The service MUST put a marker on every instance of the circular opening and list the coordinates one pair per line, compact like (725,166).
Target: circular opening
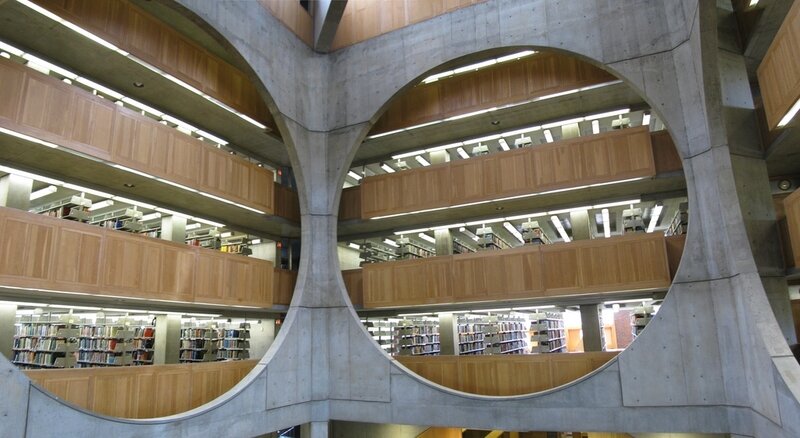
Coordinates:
(519,209)
(162,263)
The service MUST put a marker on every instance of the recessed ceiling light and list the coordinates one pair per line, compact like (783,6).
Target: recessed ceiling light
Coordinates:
(495,122)
(138,84)
(129,185)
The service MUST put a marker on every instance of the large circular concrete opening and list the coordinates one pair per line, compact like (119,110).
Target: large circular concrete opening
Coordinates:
(512,221)
(149,214)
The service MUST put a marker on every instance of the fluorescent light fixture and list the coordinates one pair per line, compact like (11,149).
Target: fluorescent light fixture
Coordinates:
(504,145)
(525,216)
(444,147)
(226,234)
(387,168)
(513,230)
(475,66)
(617,204)
(416,314)
(606,224)
(142,107)
(137,172)
(98,87)
(180,123)
(49,66)
(560,228)
(426,238)
(562,123)
(619,181)
(391,242)
(89,191)
(11,49)
(43,192)
(447,227)
(753,3)
(174,184)
(486,221)
(646,119)
(5,55)
(32,176)
(595,126)
(466,115)
(151,216)
(407,154)
(515,56)
(172,213)
(255,242)
(608,114)
(383,134)
(790,115)
(492,310)
(191,227)
(654,217)
(548,136)
(354,175)
(535,307)
(421,160)
(462,153)
(568,210)
(521,131)
(101,205)
(482,139)
(132,202)
(208,222)
(28,138)
(418,230)
(437,76)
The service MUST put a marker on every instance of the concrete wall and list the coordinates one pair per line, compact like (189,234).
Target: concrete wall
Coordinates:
(714,359)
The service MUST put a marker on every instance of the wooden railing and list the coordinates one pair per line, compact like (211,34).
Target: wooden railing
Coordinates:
(287,203)
(607,157)
(44,107)
(792,208)
(624,263)
(283,291)
(150,39)
(506,374)
(506,83)
(779,72)
(144,391)
(43,252)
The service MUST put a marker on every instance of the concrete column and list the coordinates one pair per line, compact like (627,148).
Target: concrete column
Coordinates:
(15,191)
(314,429)
(444,242)
(173,228)
(448,334)
(166,348)
(590,324)
(580,225)
(8,313)
(440,157)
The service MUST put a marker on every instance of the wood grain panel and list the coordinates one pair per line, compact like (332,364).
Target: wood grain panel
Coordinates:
(779,72)
(354,283)
(606,157)
(364,19)
(792,207)
(78,120)
(350,204)
(623,263)
(287,203)
(142,392)
(506,375)
(502,84)
(148,38)
(55,254)
(284,282)
(665,154)
(11,92)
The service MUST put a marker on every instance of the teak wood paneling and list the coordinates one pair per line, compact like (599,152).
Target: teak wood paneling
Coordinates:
(294,17)
(350,204)
(502,84)
(779,72)
(283,289)
(354,283)
(611,156)
(47,253)
(665,154)
(143,392)
(632,262)
(365,19)
(287,203)
(46,108)
(506,374)
(792,207)
(148,38)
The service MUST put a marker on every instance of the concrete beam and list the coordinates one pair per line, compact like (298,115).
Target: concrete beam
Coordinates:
(327,16)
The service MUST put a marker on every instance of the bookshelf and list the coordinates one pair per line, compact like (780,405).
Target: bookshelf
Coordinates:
(45,344)
(505,335)
(460,248)
(381,331)
(679,222)
(233,343)
(471,339)
(547,332)
(197,345)
(632,220)
(105,345)
(416,338)
(640,317)
(124,219)
(488,240)
(72,208)
(532,234)
(144,339)
(372,253)
(410,250)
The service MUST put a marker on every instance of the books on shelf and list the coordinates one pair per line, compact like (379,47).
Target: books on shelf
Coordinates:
(45,344)
(488,240)
(505,335)
(640,317)
(416,338)
(233,344)
(471,339)
(680,221)
(105,345)
(532,234)
(547,333)
(381,330)
(205,344)
(411,250)
(143,346)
